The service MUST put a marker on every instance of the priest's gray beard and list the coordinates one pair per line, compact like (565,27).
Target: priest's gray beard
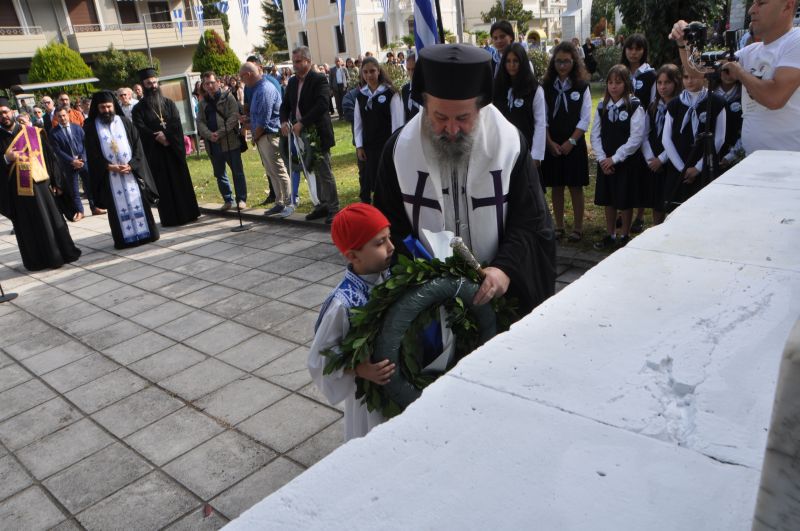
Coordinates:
(452,159)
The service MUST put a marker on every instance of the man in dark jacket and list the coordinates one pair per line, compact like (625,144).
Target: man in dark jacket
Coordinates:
(218,124)
(305,105)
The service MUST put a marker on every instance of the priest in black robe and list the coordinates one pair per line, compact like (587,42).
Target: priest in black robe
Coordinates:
(120,177)
(29,176)
(460,168)
(160,129)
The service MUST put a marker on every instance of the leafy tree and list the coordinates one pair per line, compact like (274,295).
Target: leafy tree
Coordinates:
(654,18)
(540,61)
(210,11)
(213,53)
(514,10)
(118,68)
(59,62)
(408,40)
(274,31)
(602,12)
(606,57)
(482,37)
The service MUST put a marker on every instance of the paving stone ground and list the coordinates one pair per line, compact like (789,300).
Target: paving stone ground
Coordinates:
(165,386)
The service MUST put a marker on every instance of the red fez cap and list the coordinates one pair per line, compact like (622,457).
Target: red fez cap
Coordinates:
(355,225)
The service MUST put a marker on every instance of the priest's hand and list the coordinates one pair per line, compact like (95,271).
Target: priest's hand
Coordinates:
(495,284)
(12,156)
(378,373)
(361,154)
(161,138)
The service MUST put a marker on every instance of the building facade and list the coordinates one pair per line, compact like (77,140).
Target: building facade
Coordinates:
(546,15)
(90,26)
(365,27)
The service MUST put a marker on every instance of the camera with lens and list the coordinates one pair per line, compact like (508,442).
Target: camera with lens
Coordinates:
(712,61)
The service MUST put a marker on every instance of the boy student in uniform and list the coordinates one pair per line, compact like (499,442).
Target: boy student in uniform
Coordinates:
(361,233)
(668,86)
(731,91)
(378,113)
(569,110)
(617,134)
(643,78)
(521,100)
(686,117)
(502,34)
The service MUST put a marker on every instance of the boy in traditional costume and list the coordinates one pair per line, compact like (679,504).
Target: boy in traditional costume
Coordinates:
(27,174)
(120,176)
(361,233)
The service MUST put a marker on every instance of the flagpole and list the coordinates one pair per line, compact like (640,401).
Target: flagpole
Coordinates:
(147,38)
(439,24)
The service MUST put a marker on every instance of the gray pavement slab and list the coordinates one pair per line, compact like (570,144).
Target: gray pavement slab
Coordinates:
(269,315)
(299,329)
(149,503)
(189,325)
(161,314)
(159,281)
(138,347)
(289,370)
(219,463)
(316,271)
(113,335)
(173,435)
(256,352)
(13,477)
(257,258)
(63,448)
(237,304)
(80,372)
(182,287)
(223,336)
(201,379)
(56,357)
(12,376)
(207,296)
(320,445)
(106,390)
(89,481)
(16,513)
(169,361)
(240,399)
(305,417)
(20,346)
(23,397)
(308,297)
(286,265)
(137,305)
(91,323)
(218,273)
(254,488)
(37,422)
(198,521)
(137,411)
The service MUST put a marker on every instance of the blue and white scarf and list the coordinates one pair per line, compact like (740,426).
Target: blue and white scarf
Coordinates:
(561,88)
(365,90)
(692,100)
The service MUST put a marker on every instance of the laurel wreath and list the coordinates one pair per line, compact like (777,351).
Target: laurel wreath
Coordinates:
(366,325)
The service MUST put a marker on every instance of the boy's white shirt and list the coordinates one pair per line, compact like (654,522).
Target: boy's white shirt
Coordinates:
(340,386)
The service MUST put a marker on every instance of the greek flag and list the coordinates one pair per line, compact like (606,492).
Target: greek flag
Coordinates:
(245,4)
(177,16)
(340,5)
(198,11)
(425,33)
(222,7)
(385,6)
(278,4)
(303,5)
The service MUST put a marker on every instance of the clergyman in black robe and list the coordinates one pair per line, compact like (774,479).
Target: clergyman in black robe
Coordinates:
(160,129)
(121,180)
(26,197)
(459,166)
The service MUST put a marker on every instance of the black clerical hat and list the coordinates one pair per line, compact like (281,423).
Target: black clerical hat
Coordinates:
(453,72)
(147,73)
(5,102)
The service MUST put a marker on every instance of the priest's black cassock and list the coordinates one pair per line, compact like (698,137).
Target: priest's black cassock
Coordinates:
(123,209)
(42,234)
(496,204)
(178,203)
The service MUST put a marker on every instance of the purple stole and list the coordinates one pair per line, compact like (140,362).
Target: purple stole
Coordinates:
(30,166)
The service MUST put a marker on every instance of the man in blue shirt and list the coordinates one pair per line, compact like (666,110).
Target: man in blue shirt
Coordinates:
(264,109)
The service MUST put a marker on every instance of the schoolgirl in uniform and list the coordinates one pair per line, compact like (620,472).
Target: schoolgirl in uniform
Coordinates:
(519,97)
(569,110)
(378,113)
(617,134)
(668,86)
(643,78)
(686,117)
(731,91)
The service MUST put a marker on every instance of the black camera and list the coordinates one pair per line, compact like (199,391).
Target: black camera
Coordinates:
(696,34)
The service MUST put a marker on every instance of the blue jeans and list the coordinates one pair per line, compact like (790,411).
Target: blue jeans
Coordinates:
(232,158)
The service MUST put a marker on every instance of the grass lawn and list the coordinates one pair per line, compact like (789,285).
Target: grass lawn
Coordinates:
(343,158)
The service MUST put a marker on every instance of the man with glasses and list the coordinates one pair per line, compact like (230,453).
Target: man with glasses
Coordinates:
(49,113)
(75,116)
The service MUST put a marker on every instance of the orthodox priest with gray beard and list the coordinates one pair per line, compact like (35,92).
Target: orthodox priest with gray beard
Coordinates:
(460,166)
(121,180)
(159,125)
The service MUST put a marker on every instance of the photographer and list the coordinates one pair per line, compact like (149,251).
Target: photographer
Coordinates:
(770,75)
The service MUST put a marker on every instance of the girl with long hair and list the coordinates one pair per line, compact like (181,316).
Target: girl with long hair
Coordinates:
(378,113)
(617,134)
(519,97)
(569,110)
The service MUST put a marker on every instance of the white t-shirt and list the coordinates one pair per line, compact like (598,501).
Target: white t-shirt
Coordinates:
(764,128)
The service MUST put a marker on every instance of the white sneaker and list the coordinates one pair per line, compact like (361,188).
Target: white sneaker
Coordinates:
(242,205)
(227,206)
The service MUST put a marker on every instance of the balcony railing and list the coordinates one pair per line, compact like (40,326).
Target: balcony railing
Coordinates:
(140,26)
(20,30)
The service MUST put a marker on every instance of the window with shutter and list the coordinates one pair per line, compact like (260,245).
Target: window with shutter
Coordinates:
(81,12)
(127,12)
(8,17)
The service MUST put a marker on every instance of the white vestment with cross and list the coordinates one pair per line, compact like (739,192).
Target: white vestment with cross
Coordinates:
(480,197)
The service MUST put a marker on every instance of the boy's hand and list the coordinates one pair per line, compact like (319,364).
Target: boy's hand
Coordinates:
(378,373)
